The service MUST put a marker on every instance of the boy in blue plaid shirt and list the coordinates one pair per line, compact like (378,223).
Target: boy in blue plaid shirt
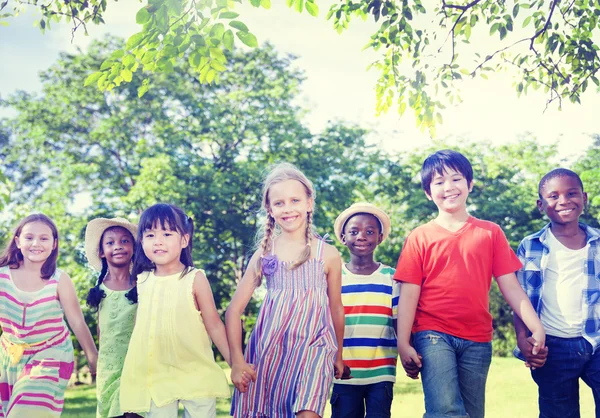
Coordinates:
(561,276)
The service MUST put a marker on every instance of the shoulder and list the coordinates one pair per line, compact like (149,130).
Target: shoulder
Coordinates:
(61,277)
(330,253)
(483,224)
(590,231)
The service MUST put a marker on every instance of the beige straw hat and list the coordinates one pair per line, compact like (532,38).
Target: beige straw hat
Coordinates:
(93,232)
(362,207)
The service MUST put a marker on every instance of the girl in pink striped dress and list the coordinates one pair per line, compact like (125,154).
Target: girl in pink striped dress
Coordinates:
(296,346)
(36,353)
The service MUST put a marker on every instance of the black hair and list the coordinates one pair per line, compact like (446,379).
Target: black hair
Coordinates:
(379,224)
(96,294)
(440,161)
(558,172)
(168,217)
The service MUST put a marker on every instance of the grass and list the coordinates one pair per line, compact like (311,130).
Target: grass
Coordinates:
(510,393)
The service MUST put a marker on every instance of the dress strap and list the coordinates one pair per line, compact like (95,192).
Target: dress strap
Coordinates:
(320,245)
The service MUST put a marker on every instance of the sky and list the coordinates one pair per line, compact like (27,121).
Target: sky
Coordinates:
(337,85)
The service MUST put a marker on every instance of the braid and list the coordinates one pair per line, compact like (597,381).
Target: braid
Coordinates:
(264,245)
(95,295)
(305,255)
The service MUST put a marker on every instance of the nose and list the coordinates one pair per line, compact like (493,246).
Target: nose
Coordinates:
(562,199)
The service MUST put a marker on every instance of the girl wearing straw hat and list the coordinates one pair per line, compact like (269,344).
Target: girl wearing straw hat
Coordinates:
(109,245)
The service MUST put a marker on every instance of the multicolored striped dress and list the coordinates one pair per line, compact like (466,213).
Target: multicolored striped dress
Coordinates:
(292,347)
(36,353)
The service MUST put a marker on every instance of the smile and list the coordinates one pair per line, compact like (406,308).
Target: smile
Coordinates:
(453,196)
(289,218)
(564,211)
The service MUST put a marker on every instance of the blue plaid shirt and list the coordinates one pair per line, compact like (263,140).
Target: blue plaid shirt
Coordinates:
(533,253)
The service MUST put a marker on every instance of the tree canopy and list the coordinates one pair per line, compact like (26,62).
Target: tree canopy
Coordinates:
(426,47)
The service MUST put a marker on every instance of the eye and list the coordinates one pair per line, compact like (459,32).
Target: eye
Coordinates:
(148,235)
(295,200)
(370,232)
(125,241)
(109,242)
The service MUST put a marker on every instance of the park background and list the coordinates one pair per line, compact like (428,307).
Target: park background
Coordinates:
(76,153)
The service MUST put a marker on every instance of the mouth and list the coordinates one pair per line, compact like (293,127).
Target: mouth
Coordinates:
(118,255)
(159,252)
(362,247)
(289,218)
(564,211)
(451,197)
(36,251)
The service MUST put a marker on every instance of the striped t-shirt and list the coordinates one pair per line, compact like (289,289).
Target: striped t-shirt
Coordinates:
(371,305)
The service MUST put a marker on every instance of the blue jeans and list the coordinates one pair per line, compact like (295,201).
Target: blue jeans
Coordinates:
(454,374)
(348,401)
(558,381)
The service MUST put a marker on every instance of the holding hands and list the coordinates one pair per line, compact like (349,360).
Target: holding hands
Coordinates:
(241,375)
(535,352)
(411,360)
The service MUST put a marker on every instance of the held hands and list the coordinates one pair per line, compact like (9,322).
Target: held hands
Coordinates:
(411,360)
(534,352)
(92,361)
(341,371)
(241,376)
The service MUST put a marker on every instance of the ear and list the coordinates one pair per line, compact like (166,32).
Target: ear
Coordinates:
(585,200)
(16,238)
(428,196)
(54,244)
(185,240)
(471,186)
(311,204)
(344,239)
(380,239)
(540,205)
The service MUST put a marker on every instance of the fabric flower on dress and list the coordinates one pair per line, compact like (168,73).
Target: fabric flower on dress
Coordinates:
(269,265)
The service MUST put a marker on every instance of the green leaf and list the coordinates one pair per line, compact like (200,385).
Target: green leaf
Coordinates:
(134,40)
(248,39)
(527,20)
(494,28)
(229,15)
(217,54)
(312,8)
(239,26)
(265,4)
(228,40)
(128,60)
(142,16)
(515,10)
(127,75)
(218,66)
(299,5)
(143,89)
(92,78)
(194,59)
(217,31)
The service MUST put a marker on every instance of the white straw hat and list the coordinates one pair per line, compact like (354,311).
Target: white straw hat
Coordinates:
(93,232)
(362,207)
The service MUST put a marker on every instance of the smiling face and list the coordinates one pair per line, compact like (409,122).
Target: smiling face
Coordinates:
(449,191)
(163,247)
(289,204)
(362,234)
(36,242)
(117,246)
(562,200)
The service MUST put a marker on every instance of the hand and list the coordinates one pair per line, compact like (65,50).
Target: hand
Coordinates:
(339,367)
(539,339)
(241,375)
(92,362)
(535,357)
(411,360)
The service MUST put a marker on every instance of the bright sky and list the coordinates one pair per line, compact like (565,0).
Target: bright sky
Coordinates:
(337,87)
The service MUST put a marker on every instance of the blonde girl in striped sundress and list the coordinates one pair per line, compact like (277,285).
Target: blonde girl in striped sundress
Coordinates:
(170,359)
(296,346)
(36,353)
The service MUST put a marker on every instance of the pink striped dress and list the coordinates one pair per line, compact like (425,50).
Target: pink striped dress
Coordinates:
(292,346)
(33,385)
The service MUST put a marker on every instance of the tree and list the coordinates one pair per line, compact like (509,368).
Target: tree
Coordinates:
(589,171)
(547,44)
(203,148)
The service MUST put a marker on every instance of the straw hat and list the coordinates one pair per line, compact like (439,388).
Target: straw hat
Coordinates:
(94,230)
(362,207)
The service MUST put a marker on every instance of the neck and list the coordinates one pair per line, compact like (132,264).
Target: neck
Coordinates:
(297,235)
(35,268)
(566,230)
(118,274)
(362,262)
(169,269)
(453,217)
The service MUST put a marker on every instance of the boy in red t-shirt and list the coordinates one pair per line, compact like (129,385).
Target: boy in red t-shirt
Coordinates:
(446,267)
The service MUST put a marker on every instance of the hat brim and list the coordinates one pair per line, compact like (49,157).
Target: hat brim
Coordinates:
(357,208)
(93,232)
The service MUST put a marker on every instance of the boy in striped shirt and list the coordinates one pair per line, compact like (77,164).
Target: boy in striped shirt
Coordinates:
(370,298)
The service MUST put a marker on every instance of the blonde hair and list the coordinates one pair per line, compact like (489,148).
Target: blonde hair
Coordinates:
(264,237)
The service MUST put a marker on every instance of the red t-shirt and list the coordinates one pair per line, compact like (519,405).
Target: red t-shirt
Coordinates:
(454,270)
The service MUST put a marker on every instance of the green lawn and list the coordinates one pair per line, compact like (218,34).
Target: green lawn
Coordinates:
(510,393)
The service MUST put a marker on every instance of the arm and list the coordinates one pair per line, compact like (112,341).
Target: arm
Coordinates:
(519,302)
(407,306)
(333,270)
(212,321)
(527,344)
(233,317)
(68,299)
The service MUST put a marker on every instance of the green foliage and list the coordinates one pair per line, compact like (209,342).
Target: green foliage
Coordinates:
(588,169)
(425,47)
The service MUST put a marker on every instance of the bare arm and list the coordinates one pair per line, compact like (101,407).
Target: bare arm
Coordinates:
(68,299)
(212,321)
(527,344)
(407,306)
(333,269)
(519,302)
(233,320)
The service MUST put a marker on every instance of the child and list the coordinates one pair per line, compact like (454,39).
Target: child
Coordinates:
(370,298)
(170,358)
(109,249)
(291,355)
(36,353)
(446,268)
(560,273)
